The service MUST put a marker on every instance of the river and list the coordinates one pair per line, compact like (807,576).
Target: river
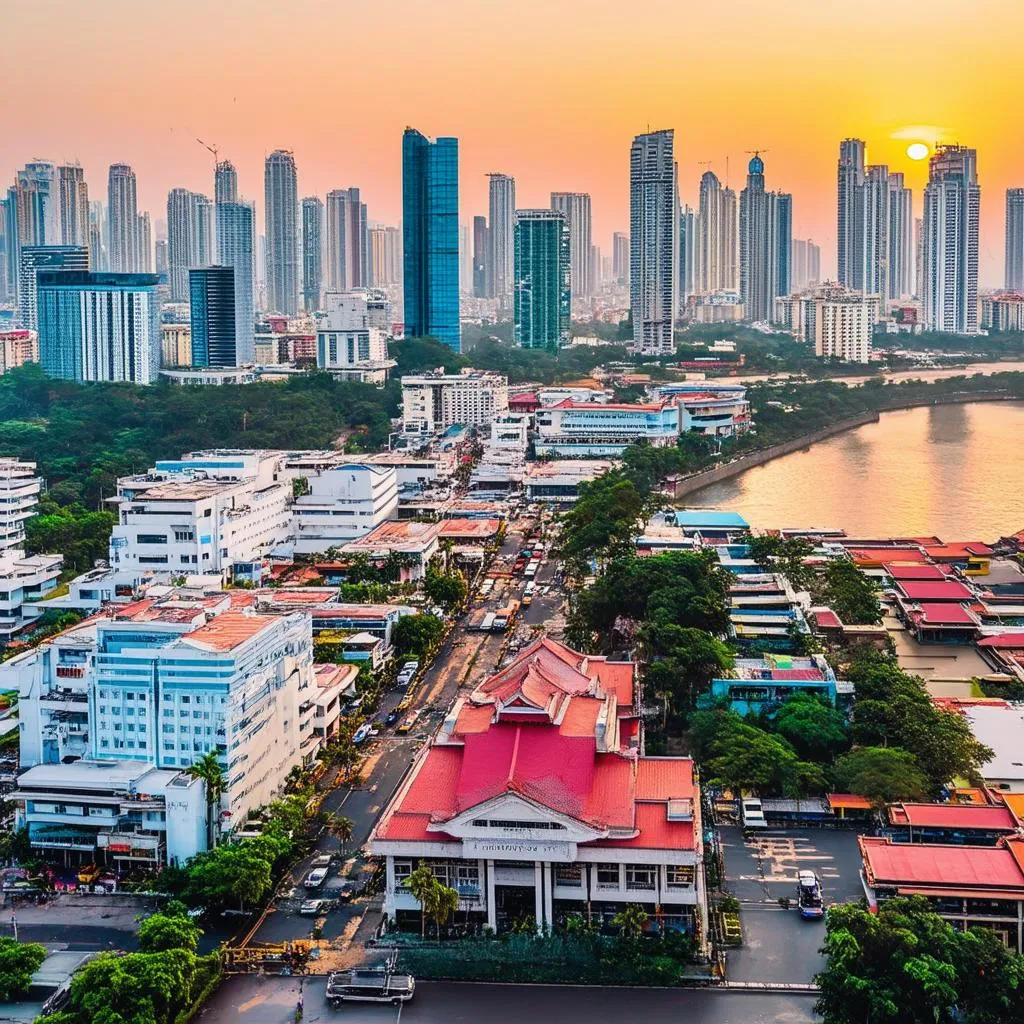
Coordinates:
(955,471)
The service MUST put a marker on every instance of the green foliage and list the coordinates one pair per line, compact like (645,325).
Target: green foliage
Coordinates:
(210,771)
(18,962)
(342,829)
(683,661)
(906,964)
(416,634)
(445,589)
(817,731)
(171,928)
(631,920)
(605,519)
(850,593)
(882,774)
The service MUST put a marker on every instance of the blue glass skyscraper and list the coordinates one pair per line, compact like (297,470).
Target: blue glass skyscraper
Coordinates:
(430,225)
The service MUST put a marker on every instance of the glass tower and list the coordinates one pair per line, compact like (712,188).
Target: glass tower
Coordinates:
(541,293)
(430,223)
(212,308)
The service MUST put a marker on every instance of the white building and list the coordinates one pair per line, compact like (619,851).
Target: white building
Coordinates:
(416,543)
(554,395)
(1003,311)
(843,327)
(209,376)
(536,803)
(220,511)
(595,429)
(511,430)
(436,401)
(19,495)
(351,341)
(24,581)
(344,502)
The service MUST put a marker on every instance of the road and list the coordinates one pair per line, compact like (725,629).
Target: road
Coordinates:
(251,1000)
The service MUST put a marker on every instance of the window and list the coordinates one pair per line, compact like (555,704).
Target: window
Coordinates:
(185,699)
(151,538)
(679,876)
(129,695)
(569,874)
(467,878)
(510,823)
(607,876)
(640,876)
(403,869)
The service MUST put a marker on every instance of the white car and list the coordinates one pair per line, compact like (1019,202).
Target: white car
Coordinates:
(316,878)
(753,813)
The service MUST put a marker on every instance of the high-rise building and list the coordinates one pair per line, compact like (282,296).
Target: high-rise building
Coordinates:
(225,182)
(145,244)
(99,326)
(212,310)
(575,206)
(480,257)
(542,294)
(235,238)
(620,257)
(849,239)
(901,239)
(8,287)
(347,241)
(873,208)
(162,265)
(74,205)
(312,253)
(430,237)
(465,260)
(37,204)
(653,242)
(952,199)
(385,256)
(502,208)
(766,241)
(98,253)
(35,258)
(689,258)
(716,249)
(730,240)
(1014,270)
(806,264)
(281,211)
(189,241)
(122,220)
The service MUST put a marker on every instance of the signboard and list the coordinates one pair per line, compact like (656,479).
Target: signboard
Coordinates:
(518,849)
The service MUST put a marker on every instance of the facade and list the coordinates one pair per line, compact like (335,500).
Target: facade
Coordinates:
(343,503)
(952,199)
(480,243)
(766,237)
(348,253)
(1003,311)
(589,429)
(501,192)
(653,240)
(385,257)
(416,543)
(535,801)
(558,483)
(806,264)
(24,581)
(235,238)
(688,257)
(542,301)
(34,258)
(175,345)
(145,244)
(225,185)
(575,207)
(212,513)
(351,341)
(901,238)
(438,401)
(189,238)
(123,220)
(18,348)
(212,309)
(73,195)
(19,496)
(717,228)
(312,253)
(281,211)
(620,257)
(843,326)
(1014,267)
(849,235)
(98,326)
(430,237)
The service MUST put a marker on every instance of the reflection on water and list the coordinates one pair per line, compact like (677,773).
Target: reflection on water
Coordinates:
(952,470)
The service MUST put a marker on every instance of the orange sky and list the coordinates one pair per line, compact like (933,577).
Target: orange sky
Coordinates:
(551,92)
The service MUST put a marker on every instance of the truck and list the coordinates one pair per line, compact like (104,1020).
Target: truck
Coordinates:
(488,623)
(369,985)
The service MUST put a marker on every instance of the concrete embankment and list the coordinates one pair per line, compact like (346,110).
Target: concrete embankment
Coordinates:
(697,481)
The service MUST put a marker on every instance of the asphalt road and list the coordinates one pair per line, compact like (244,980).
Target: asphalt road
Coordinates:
(251,1000)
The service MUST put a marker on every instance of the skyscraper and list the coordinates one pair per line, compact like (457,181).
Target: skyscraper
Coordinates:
(542,293)
(766,244)
(225,182)
(162,265)
(430,234)
(1014,270)
(98,326)
(34,258)
(873,209)
(74,205)
(620,257)
(502,200)
(312,253)
(653,241)
(145,235)
(952,199)
(235,239)
(281,212)
(347,242)
(849,249)
(122,220)
(901,239)
(212,311)
(8,287)
(385,256)
(716,226)
(98,253)
(689,258)
(188,238)
(806,264)
(730,240)
(480,257)
(576,208)
(465,260)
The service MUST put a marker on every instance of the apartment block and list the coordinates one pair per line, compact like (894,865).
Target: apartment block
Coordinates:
(437,401)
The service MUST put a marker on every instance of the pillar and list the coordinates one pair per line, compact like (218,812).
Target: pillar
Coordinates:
(492,910)
(549,909)
(389,895)
(538,894)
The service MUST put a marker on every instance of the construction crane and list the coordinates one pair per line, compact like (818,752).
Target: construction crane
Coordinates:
(211,149)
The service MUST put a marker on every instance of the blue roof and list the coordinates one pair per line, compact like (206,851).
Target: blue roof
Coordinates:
(697,517)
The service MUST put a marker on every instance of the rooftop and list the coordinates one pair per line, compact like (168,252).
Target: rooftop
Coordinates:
(999,726)
(927,865)
(954,816)
(927,590)
(228,631)
(694,518)
(399,536)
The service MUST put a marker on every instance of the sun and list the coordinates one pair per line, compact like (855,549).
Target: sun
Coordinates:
(917,151)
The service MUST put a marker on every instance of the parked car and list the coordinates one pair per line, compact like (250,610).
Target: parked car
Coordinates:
(316,878)
(362,732)
(346,892)
(393,716)
(323,861)
(314,908)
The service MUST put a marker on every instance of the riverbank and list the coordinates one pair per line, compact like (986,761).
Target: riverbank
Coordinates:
(705,478)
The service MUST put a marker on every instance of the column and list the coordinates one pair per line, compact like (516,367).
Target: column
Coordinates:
(389,895)
(492,911)
(538,894)
(549,910)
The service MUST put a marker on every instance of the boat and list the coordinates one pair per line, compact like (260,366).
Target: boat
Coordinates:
(809,900)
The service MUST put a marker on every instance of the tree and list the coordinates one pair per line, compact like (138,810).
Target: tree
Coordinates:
(631,920)
(416,634)
(442,902)
(170,929)
(849,593)
(604,520)
(209,769)
(813,725)
(882,774)
(18,962)
(445,589)
(687,660)
(342,829)
(421,883)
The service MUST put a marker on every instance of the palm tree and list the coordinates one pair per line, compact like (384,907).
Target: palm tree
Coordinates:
(422,883)
(631,920)
(209,769)
(342,830)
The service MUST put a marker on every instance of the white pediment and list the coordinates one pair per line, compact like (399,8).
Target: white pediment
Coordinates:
(511,816)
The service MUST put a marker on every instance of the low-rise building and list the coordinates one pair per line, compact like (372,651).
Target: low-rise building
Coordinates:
(335,685)
(25,580)
(18,348)
(589,429)
(209,376)
(951,823)
(1000,727)
(19,496)
(437,401)
(760,685)
(351,341)
(414,544)
(1002,311)
(558,483)
(536,803)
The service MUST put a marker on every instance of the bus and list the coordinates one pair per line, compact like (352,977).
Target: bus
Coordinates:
(369,985)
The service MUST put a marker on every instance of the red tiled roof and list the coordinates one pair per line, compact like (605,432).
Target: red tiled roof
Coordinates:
(1004,641)
(913,571)
(228,630)
(476,528)
(656,832)
(876,556)
(927,864)
(944,614)
(958,551)
(949,590)
(615,677)
(825,618)
(664,778)
(977,816)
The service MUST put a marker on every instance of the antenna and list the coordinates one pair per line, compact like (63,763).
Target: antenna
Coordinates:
(727,172)
(757,152)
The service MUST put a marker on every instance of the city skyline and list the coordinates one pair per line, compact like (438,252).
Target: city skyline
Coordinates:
(717,100)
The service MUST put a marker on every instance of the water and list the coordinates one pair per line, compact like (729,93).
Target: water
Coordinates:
(955,471)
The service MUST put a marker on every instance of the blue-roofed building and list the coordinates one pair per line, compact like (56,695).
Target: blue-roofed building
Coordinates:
(761,684)
(711,523)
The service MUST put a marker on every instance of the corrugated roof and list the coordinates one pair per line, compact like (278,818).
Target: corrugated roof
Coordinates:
(227,631)
(954,816)
(948,590)
(664,778)
(925,864)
